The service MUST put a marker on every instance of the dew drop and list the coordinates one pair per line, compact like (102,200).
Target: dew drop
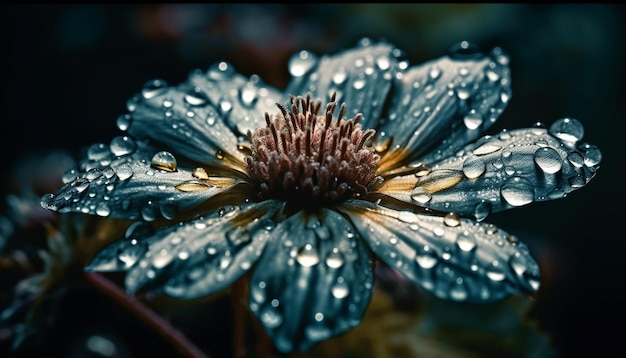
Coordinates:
(103,210)
(474,167)
(161,259)
(340,76)
(576,159)
(248,95)
(482,210)
(148,212)
(334,259)
(220,71)
(486,148)
(340,290)
(122,145)
(473,119)
(124,121)
(465,50)
(465,241)
(130,255)
(307,256)
(593,156)
(452,219)
(196,97)
(548,160)
(164,161)
(458,292)
(98,151)
(124,171)
(81,184)
(168,210)
(495,272)
(301,63)
(421,196)
(517,191)
(426,257)
(434,72)
(153,88)
(567,129)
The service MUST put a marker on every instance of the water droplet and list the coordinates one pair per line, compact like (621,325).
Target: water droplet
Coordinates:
(334,259)
(124,171)
(518,263)
(465,241)
(495,272)
(340,290)
(465,50)
(248,95)
(452,219)
(458,292)
(358,84)
(426,257)
(473,167)
(148,212)
(98,151)
(472,119)
(103,210)
(567,129)
(482,210)
(434,72)
(153,88)
(518,191)
(122,145)
(307,256)
(162,258)
(196,97)
(168,210)
(219,155)
(576,159)
(164,161)
(220,71)
(340,76)
(93,174)
(130,255)
(81,184)
(593,156)
(301,63)
(421,196)
(548,159)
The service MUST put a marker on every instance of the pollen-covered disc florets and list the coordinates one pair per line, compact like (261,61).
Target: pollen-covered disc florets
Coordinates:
(304,157)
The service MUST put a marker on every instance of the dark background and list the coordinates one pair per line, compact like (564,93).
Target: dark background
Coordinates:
(67,72)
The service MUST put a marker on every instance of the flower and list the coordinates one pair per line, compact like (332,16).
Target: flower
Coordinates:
(305,195)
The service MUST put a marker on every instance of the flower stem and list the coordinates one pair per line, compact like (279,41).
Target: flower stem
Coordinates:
(149,317)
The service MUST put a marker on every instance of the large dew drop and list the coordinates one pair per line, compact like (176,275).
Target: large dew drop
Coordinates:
(567,129)
(301,63)
(548,160)
(518,191)
(164,161)
(307,256)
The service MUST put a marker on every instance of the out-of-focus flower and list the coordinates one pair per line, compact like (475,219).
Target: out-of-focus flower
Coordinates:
(302,196)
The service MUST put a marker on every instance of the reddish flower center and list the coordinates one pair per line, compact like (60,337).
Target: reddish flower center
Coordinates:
(306,157)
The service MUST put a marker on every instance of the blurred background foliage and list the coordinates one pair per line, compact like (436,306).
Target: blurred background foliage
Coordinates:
(67,71)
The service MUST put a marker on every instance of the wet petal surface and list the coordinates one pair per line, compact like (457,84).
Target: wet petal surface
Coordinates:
(453,258)
(138,183)
(313,282)
(360,76)
(206,118)
(443,104)
(510,169)
(195,258)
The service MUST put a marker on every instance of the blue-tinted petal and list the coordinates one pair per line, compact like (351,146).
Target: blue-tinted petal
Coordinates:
(195,258)
(207,117)
(443,104)
(453,258)
(360,76)
(313,282)
(510,169)
(142,184)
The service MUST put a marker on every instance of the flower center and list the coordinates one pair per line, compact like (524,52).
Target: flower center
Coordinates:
(309,158)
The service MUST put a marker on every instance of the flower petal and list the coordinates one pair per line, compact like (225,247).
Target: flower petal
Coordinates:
(360,76)
(443,104)
(207,117)
(313,282)
(511,169)
(195,258)
(133,185)
(453,258)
